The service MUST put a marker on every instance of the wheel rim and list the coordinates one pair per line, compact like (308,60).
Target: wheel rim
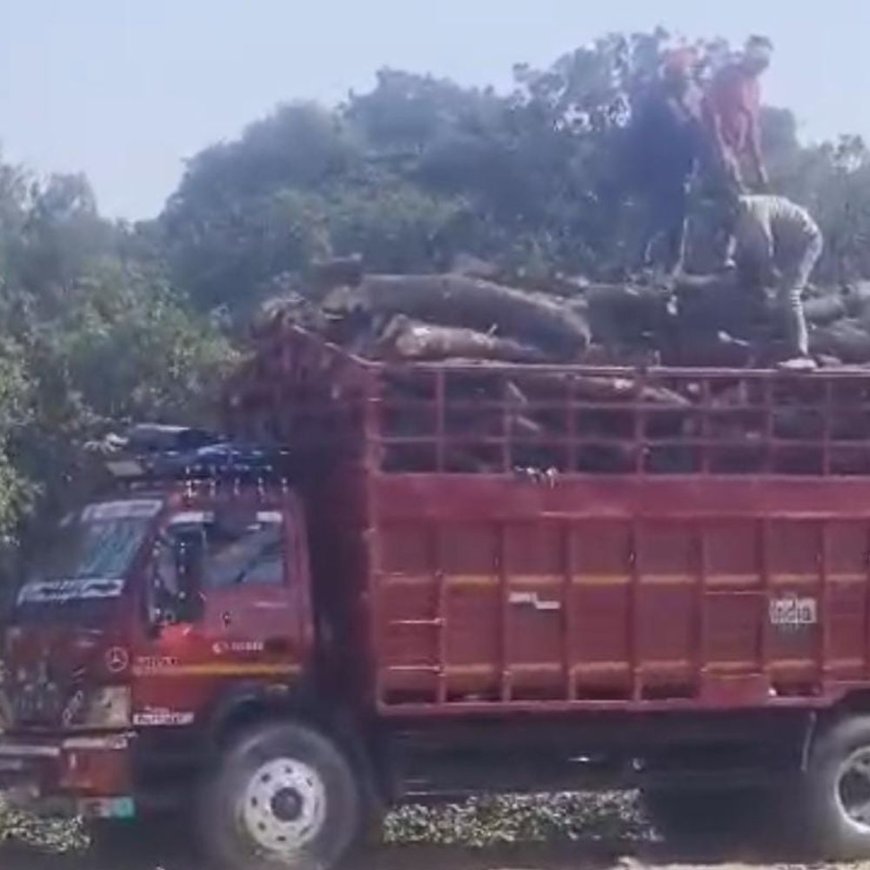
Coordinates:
(853,789)
(283,808)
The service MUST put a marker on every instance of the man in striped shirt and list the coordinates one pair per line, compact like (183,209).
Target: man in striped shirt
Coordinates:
(779,244)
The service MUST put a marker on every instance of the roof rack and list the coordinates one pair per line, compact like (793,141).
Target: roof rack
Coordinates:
(157,453)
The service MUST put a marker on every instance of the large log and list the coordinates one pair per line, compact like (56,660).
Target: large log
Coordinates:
(857,298)
(624,313)
(712,304)
(338,272)
(826,309)
(459,301)
(404,338)
(625,389)
(847,339)
(701,320)
(288,308)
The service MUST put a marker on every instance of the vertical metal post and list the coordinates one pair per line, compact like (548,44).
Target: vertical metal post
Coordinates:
(706,434)
(507,446)
(505,676)
(373,429)
(634,614)
(372,461)
(440,420)
(824,560)
(701,603)
(571,427)
(867,604)
(763,545)
(826,444)
(568,621)
(441,618)
(639,424)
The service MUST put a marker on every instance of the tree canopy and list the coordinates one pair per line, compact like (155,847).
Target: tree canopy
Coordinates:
(93,335)
(105,322)
(420,169)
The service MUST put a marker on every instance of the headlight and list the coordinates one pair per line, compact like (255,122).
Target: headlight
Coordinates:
(108,707)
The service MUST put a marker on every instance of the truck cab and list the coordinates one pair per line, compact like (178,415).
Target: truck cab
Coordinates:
(158,614)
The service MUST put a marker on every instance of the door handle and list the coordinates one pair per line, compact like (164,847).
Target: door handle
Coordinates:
(226,619)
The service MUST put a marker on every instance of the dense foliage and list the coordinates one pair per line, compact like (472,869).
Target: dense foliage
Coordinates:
(105,322)
(92,336)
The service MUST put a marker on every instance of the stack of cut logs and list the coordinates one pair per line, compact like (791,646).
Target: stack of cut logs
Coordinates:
(704,321)
(698,322)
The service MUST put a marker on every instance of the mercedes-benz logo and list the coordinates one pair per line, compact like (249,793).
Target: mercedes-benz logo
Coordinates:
(117,660)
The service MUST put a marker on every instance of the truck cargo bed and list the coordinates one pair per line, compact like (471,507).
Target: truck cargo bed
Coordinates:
(547,538)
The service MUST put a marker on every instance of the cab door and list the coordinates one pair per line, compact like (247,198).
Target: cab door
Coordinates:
(250,623)
(255,594)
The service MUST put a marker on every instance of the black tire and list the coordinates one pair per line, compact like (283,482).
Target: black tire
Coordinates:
(690,814)
(285,797)
(831,787)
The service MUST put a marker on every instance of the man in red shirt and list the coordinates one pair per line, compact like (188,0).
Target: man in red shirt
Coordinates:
(731,111)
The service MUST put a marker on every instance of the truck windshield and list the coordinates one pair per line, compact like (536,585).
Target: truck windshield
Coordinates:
(90,557)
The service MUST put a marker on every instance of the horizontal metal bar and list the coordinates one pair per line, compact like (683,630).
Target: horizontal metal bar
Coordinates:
(615,404)
(744,443)
(418,623)
(28,750)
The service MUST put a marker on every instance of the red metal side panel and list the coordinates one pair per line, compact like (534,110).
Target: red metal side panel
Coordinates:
(499,593)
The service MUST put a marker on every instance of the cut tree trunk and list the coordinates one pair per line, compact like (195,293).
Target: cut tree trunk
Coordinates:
(408,339)
(459,301)
(825,309)
(847,340)
(623,313)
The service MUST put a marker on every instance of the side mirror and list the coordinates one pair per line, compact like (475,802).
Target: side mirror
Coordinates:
(189,547)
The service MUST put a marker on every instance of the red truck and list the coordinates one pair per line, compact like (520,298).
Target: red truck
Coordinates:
(463,578)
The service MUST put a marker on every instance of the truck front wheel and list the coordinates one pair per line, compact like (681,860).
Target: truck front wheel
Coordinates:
(837,789)
(284,796)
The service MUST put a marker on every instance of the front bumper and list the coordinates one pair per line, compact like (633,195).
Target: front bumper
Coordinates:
(84,775)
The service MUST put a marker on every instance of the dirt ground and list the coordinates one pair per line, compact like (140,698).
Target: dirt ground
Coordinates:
(577,856)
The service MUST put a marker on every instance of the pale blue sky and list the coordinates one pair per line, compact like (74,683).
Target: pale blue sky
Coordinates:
(126,89)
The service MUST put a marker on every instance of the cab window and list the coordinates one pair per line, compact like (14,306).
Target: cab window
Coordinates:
(241,548)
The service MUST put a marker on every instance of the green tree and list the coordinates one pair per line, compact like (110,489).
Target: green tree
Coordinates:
(93,337)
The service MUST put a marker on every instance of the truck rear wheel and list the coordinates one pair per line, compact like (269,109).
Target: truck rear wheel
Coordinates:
(283,797)
(837,790)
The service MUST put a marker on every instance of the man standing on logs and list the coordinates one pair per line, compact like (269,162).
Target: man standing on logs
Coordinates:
(779,244)
(732,107)
(666,145)
(731,115)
